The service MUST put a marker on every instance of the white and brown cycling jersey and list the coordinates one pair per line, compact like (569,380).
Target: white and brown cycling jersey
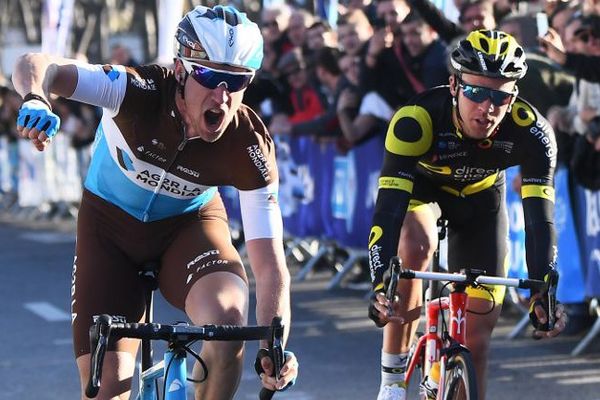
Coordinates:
(143,163)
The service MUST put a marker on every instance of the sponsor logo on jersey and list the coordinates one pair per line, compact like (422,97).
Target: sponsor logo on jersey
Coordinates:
(375,262)
(466,174)
(210,263)
(449,156)
(540,135)
(259,160)
(73,288)
(160,145)
(170,185)
(110,72)
(503,145)
(144,84)
(188,171)
(272,198)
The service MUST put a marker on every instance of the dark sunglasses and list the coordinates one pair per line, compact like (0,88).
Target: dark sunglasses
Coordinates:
(212,78)
(479,94)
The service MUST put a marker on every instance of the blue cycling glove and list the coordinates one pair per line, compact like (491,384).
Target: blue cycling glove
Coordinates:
(36,114)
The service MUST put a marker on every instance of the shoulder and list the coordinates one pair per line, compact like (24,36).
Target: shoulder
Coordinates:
(524,115)
(252,150)
(529,126)
(425,106)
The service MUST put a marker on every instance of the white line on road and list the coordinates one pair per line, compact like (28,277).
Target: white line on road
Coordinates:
(47,311)
(49,237)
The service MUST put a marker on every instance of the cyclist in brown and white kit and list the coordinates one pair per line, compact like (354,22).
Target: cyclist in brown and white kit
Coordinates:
(165,142)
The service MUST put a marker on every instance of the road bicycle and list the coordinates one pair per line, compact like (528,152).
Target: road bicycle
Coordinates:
(172,370)
(441,353)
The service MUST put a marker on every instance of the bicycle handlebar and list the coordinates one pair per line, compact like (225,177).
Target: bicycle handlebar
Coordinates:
(467,279)
(104,329)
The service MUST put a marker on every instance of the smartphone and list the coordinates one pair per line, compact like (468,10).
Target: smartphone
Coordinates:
(541,20)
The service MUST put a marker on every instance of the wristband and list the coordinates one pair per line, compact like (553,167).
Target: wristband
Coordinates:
(33,96)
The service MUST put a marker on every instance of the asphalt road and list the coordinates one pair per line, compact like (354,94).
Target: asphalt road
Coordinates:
(337,346)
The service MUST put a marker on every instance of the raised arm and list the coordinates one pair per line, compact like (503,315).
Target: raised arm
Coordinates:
(42,74)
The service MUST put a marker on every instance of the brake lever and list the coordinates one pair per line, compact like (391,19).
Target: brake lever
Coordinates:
(99,334)
(395,267)
(275,351)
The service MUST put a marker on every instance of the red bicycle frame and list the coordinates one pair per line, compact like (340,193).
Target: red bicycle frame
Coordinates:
(430,344)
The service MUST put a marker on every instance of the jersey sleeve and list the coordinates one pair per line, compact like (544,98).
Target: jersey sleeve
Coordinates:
(537,189)
(114,87)
(255,175)
(409,136)
(101,85)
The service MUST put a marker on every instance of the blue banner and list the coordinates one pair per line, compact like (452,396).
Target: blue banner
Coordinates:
(589,223)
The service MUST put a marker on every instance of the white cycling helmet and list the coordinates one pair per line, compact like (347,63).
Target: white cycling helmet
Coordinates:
(220,34)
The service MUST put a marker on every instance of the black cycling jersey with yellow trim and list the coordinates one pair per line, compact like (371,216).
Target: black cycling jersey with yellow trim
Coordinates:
(422,139)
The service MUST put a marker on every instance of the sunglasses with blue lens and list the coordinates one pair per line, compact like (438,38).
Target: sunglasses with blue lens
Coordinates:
(212,78)
(479,94)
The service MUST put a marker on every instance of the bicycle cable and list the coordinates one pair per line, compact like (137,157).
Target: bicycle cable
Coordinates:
(197,357)
(484,287)
(200,360)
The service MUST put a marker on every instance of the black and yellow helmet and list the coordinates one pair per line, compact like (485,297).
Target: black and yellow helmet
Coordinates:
(490,53)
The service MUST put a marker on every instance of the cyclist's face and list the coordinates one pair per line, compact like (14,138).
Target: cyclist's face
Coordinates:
(480,119)
(207,112)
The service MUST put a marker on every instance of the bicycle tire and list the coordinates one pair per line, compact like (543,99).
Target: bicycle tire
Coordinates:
(460,378)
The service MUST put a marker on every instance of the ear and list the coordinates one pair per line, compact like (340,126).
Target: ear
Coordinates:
(453,85)
(179,71)
(514,98)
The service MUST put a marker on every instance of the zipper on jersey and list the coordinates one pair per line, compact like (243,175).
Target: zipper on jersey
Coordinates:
(163,175)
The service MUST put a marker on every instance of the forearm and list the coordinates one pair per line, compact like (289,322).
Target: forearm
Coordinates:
(267,260)
(43,74)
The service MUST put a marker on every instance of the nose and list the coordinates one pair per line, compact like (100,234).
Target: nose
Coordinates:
(221,94)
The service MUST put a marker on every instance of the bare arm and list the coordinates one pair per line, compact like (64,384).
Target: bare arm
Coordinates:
(267,260)
(43,74)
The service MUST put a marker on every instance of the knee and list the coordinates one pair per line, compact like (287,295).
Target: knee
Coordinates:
(417,249)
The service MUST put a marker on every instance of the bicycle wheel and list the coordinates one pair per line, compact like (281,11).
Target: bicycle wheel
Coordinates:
(461,383)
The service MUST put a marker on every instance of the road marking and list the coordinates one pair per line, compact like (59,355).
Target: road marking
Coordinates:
(49,237)
(63,342)
(47,311)
(579,381)
(566,374)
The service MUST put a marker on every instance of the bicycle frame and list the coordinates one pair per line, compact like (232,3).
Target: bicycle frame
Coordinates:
(436,346)
(431,344)
(176,378)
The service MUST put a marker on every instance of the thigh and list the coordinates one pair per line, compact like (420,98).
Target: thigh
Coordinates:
(200,248)
(104,281)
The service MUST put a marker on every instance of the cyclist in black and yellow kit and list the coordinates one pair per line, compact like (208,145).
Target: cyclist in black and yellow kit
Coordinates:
(450,146)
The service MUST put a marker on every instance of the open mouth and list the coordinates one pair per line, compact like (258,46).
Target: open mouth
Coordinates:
(214,117)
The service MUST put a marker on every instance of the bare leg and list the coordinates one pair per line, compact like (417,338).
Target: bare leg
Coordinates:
(479,332)
(219,298)
(418,241)
(117,373)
